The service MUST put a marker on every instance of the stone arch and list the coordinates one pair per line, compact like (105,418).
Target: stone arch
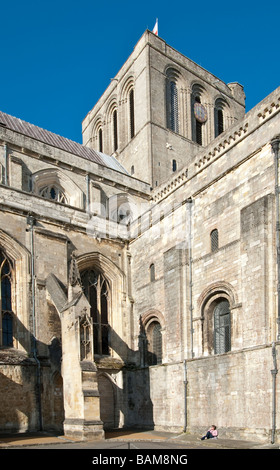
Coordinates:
(222,119)
(127,109)
(97,133)
(54,177)
(199,97)
(128,83)
(218,287)
(207,302)
(112,124)
(174,109)
(20,258)
(116,284)
(152,322)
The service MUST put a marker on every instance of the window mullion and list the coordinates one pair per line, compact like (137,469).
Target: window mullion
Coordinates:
(99,332)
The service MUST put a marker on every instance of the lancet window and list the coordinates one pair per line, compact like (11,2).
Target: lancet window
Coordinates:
(172,105)
(154,343)
(96,289)
(222,327)
(6,313)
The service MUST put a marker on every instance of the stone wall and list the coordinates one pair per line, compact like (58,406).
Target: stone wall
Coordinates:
(234,195)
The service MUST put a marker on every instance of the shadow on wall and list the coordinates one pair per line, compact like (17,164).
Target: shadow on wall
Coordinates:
(131,405)
(31,387)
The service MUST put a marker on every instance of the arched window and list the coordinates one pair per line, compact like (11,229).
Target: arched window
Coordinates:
(222,333)
(100,140)
(131,113)
(220,122)
(154,343)
(152,273)
(96,289)
(56,186)
(115,130)
(6,301)
(214,236)
(199,114)
(172,105)
(219,116)
(216,320)
(198,126)
(54,193)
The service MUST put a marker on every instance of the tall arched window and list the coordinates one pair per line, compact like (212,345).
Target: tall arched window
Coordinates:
(100,140)
(6,301)
(154,343)
(219,116)
(220,121)
(96,289)
(199,114)
(214,236)
(222,333)
(115,130)
(152,272)
(216,319)
(172,106)
(131,113)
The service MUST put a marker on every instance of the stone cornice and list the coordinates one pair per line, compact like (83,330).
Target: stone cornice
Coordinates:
(255,118)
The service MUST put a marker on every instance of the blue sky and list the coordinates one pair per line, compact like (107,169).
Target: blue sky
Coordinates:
(57,57)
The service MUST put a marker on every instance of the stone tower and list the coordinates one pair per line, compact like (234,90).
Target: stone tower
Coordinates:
(159,110)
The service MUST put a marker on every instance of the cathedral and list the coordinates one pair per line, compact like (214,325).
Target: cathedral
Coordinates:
(140,270)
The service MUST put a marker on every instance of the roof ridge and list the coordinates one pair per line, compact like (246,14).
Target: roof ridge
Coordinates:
(64,143)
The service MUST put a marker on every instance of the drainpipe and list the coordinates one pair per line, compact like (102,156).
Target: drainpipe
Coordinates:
(185,395)
(31,222)
(6,164)
(273,373)
(190,204)
(87,193)
(275,147)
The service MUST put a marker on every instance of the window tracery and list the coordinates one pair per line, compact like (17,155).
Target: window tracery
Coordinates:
(85,338)
(54,193)
(6,301)
(96,290)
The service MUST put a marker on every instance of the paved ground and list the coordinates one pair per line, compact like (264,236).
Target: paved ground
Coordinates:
(128,439)
(129,449)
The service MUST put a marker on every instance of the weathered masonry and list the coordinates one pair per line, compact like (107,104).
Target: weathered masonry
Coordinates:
(140,270)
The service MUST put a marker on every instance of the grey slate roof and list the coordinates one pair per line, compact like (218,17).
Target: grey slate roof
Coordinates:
(47,137)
